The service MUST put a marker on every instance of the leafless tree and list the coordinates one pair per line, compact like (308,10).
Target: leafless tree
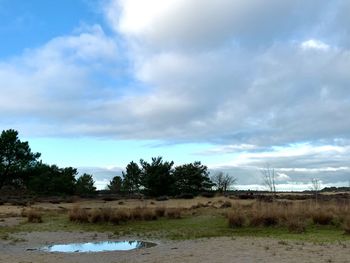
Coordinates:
(315,187)
(269,177)
(223,181)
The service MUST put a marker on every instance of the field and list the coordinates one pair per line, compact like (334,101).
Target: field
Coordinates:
(202,229)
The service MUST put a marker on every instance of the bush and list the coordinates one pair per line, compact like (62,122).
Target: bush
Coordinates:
(235,219)
(106,213)
(34,216)
(136,213)
(119,216)
(346,226)
(162,198)
(79,215)
(322,218)
(173,213)
(96,216)
(226,204)
(149,214)
(266,218)
(296,226)
(160,211)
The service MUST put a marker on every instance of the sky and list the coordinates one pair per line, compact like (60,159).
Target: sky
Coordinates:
(235,84)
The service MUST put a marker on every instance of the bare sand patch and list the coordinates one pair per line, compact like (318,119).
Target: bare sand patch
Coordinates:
(223,249)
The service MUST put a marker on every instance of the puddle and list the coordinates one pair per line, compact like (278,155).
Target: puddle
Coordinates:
(98,246)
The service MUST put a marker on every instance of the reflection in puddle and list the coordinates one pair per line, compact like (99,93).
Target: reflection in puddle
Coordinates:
(98,246)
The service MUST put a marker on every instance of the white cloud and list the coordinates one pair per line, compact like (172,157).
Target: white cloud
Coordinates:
(314,44)
(282,177)
(225,71)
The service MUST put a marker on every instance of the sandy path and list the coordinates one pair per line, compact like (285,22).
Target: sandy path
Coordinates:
(202,250)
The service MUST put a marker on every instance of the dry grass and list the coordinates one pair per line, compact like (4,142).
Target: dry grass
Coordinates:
(322,217)
(118,215)
(174,213)
(346,225)
(143,213)
(34,216)
(293,215)
(79,215)
(160,211)
(235,219)
(296,225)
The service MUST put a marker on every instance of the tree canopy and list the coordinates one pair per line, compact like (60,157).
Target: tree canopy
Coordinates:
(132,178)
(85,185)
(157,177)
(16,158)
(21,168)
(192,178)
(115,185)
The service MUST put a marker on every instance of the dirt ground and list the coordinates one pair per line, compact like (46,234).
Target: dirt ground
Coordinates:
(24,248)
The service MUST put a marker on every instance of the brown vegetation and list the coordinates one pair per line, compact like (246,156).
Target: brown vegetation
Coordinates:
(121,215)
(295,216)
(33,216)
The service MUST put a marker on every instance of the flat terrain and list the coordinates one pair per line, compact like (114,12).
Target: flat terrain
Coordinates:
(201,235)
(223,249)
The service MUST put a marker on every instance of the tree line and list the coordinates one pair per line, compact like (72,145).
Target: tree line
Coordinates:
(21,168)
(159,178)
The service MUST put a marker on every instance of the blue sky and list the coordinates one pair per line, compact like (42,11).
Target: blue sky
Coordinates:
(235,84)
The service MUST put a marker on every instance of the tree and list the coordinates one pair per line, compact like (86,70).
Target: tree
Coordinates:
(315,187)
(269,177)
(50,180)
(223,181)
(132,178)
(85,185)
(115,185)
(15,158)
(191,178)
(157,178)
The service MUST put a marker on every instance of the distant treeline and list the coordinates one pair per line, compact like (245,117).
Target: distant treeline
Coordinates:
(21,170)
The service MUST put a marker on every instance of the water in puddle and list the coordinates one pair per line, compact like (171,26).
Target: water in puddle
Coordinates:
(98,246)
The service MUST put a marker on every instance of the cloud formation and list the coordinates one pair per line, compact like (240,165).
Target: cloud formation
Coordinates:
(237,71)
(247,75)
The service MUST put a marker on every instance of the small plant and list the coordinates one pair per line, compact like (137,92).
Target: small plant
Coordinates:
(235,219)
(119,216)
(106,213)
(346,226)
(34,216)
(226,204)
(160,211)
(173,213)
(96,216)
(322,218)
(78,214)
(149,214)
(136,213)
(162,198)
(296,226)
(266,218)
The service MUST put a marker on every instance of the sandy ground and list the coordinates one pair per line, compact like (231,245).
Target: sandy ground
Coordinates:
(22,248)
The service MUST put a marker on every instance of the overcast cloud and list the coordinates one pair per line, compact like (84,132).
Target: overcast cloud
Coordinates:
(248,75)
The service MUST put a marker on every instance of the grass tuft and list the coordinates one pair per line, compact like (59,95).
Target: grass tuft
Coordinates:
(34,216)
